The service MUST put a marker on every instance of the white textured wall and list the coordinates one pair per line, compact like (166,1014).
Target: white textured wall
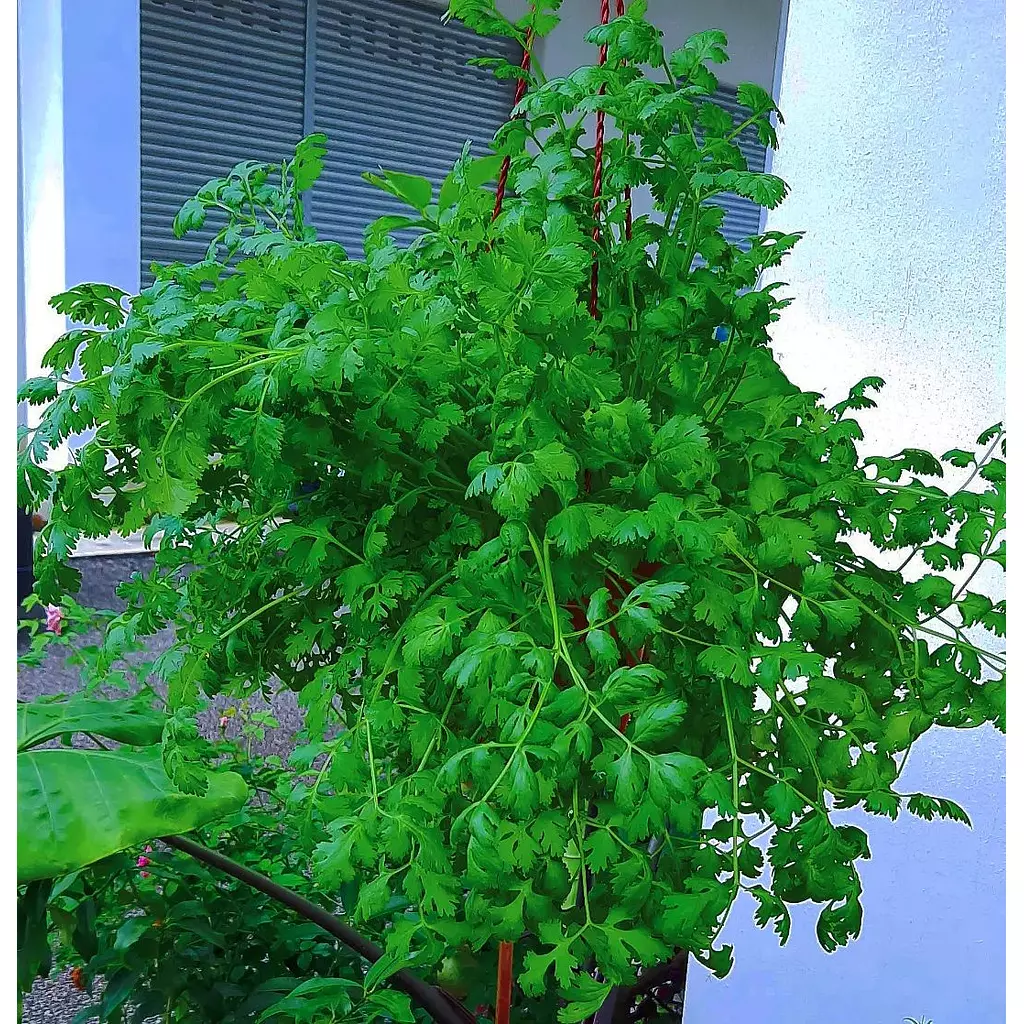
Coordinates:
(893,146)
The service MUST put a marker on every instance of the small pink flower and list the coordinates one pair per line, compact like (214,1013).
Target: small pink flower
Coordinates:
(149,849)
(143,874)
(54,618)
(223,723)
(142,862)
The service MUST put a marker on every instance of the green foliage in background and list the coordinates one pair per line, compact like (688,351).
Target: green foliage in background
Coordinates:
(525,524)
(169,940)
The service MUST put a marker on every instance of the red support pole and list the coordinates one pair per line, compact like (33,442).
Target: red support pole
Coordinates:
(503,996)
(620,10)
(598,161)
(503,993)
(520,93)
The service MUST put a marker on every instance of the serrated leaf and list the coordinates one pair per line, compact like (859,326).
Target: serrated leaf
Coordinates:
(308,163)
(657,721)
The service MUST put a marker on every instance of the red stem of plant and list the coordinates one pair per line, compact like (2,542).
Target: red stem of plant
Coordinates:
(503,994)
(520,93)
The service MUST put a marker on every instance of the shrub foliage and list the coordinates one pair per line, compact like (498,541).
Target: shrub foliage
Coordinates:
(578,608)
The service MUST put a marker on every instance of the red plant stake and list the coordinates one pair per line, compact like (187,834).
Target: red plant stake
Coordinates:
(620,10)
(598,160)
(503,996)
(520,92)
(503,993)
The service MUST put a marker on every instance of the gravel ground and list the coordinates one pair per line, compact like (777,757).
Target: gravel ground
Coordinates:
(55,1000)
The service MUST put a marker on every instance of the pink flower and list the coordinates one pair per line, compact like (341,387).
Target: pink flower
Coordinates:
(142,862)
(223,723)
(143,874)
(149,849)
(54,618)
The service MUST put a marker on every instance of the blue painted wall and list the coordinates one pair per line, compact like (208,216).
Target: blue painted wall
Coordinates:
(101,146)
(101,142)
(41,183)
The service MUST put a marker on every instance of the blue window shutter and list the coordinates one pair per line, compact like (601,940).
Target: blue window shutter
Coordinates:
(221,81)
(742,215)
(393,90)
(224,81)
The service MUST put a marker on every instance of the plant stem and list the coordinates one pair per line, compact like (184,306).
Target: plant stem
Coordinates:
(736,806)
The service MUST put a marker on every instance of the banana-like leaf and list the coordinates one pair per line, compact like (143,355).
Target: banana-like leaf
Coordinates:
(130,721)
(76,807)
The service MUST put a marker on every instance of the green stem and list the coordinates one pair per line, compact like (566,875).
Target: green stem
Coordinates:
(437,734)
(796,728)
(372,765)
(578,822)
(259,611)
(820,807)
(252,364)
(733,753)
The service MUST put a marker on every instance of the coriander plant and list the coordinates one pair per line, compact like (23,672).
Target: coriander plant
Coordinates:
(576,606)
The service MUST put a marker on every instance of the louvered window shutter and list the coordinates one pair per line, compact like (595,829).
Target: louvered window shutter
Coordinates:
(229,80)
(221,81)
(393,90)
(742,215)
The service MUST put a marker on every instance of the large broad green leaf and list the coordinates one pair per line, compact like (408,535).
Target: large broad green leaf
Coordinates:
(130,721)
(78,806)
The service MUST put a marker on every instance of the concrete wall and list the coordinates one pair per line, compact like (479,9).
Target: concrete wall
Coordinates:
(893,146)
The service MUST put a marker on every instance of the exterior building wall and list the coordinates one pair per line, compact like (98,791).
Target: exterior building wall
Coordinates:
(101,143)
(893,147)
